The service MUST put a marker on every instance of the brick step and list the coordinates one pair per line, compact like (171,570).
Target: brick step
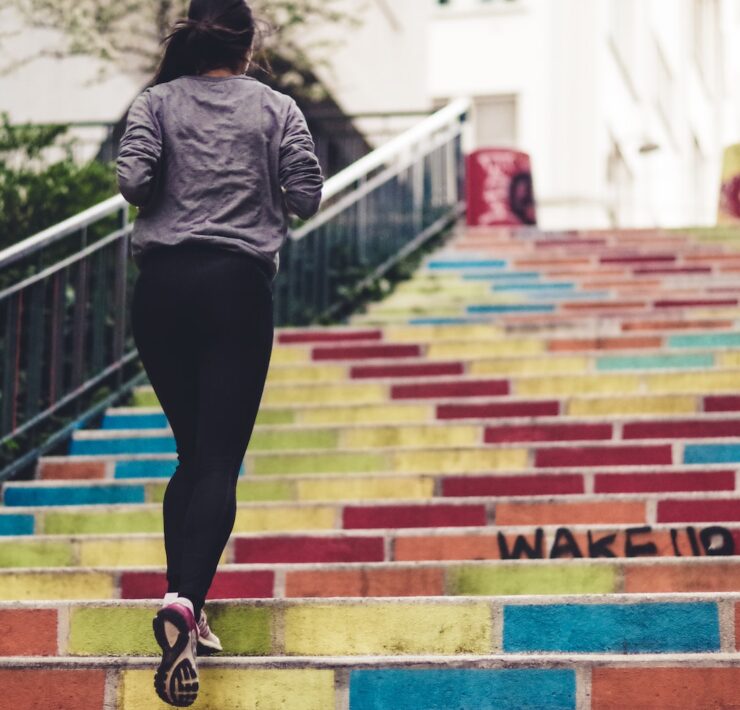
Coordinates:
(724,380)
(435,682)
(614,624)
(457,460)
(399,412)
(638,510)
(396,579)
(131,549)
(79,488)
(442,433)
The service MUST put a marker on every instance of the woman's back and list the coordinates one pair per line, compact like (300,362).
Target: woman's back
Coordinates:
(207,158)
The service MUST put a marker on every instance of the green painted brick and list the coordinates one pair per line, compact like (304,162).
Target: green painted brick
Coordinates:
(144,398)
(310,439)
(63,523)
(127,631)
(532,579)
(35,554)
(317,463)
(255,491)
(654,362)
(271,417)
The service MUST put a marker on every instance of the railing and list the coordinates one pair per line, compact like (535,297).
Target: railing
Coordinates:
(64,292)
(373,215)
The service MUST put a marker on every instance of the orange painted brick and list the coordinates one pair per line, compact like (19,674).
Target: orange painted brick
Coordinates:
(447,547)
(686,578)
(665,688)
(28,632)
(553,513)
(624,343)
(562,261)
(365,583)
(72,470)
(73,689)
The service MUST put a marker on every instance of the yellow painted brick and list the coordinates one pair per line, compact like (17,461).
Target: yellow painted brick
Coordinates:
(482,349)
(307,373)
(325,394)
(289,355)
(277,519)
(372,437)
(122,553)
(699,382)
(531,366)
(238,689)
(427,333)
(728,359)
(366,489)
(631,405)
(712,313)
(387,629)
(460,461)
(587,384)
(53,585)
(372,414)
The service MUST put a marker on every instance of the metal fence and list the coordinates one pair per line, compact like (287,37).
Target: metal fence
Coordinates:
(64,293)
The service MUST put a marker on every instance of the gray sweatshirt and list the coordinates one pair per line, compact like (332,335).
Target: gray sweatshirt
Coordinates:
(220,160)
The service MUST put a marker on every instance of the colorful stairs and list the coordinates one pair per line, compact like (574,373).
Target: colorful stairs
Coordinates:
(511,484)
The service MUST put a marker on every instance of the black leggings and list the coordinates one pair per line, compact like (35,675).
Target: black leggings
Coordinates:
(203,325)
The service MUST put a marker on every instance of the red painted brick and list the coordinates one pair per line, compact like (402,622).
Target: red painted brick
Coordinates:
(462,486)
(226,585)
(660,482)
(542,408)
(414,582)
(52,688)
(366,352)
(413,516)
(462,388)
(695,302)
(699,511)
(686,429)
(722,403)
(308,549)
(322,336)
(431,369)
(566,243)
(604,456)
(28,632)
(547,432)
(637,258)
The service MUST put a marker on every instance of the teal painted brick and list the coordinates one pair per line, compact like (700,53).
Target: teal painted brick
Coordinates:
(654,362)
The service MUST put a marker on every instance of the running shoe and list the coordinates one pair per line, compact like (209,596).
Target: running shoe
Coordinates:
(175,629)
(208,642)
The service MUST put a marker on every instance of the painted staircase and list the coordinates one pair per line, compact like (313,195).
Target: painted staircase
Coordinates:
(511,484)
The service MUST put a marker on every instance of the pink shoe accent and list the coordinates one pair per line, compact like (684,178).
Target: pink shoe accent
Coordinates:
(185,612)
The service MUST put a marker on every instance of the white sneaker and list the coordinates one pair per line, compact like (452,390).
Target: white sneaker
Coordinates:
(176,679)
(208,642)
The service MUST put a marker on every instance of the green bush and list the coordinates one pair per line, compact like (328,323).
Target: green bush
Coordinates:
(35,194)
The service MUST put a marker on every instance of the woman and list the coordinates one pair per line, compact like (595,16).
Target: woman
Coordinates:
(215,161)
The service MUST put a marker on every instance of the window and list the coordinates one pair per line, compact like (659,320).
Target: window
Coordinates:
(705,19)
(664,89)
(495,121)
(623,38)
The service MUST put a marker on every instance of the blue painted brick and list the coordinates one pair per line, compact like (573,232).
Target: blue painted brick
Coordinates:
(74,495)
(536,286)
(468,264)
(134,445)
(151,468)
(506,276)
(612,628)
(453,689)
(711,453)
(16,524)
(152,420)
(513,308)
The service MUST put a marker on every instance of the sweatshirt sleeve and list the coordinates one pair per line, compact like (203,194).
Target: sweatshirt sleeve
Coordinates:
(139,152)
(299,168)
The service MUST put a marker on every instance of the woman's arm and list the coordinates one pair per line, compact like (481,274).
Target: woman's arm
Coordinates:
(300,171)
(139,152)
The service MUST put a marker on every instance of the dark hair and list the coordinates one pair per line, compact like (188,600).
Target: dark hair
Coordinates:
(216,34)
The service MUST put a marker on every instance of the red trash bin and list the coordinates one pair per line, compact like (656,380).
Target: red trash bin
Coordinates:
(499,188)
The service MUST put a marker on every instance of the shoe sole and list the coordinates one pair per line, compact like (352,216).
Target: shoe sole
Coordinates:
(176,679)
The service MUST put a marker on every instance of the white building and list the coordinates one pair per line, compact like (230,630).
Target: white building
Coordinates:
(624,105)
